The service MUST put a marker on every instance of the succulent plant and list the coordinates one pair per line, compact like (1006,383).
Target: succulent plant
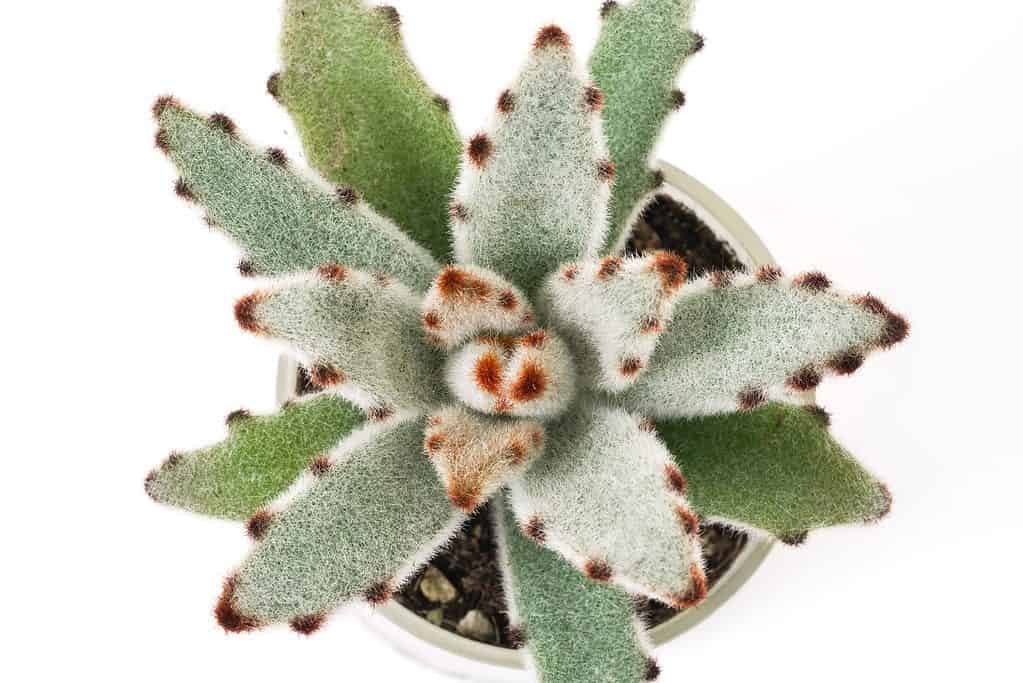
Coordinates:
(606,403)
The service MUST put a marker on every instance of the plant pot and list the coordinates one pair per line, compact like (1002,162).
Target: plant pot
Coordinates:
(469,659)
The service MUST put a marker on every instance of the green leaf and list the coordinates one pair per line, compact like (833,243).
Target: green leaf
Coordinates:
(639,54)
(283,222)
(603,494)
(533,192)
(736,340)
(576,630)
(358,529)
(360,335)
(777,469)
(365,115)
(257,461)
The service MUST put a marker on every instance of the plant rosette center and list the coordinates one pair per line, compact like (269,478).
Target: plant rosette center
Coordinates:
(513,367)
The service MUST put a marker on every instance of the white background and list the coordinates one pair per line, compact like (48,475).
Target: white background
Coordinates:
(879,140)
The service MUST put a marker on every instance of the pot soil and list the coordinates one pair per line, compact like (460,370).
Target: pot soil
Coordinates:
(460,589)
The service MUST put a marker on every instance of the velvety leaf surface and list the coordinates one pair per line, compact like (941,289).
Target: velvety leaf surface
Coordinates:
(533,190)
(575,630)
(642,47)
(604,495)
(259,459)
(736,340)
(359,529)
(283,222)
(365,115)
(777,469)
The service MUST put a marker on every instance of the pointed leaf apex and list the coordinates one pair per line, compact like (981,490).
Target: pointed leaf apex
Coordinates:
(552,36)
(245,313)
(162,104)
(227,615)
(896,327)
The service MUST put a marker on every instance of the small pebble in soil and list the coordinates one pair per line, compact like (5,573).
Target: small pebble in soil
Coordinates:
(477,626)
(435,587)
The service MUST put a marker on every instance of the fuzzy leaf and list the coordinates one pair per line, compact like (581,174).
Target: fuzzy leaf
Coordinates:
(283,222)
(365,115)
(777,469)
(464,301)
(736,340)
(533,192)
(531,376)
(260,458)
(575,630)
(603,496)
(613,311)
(639,54)
(358,529)
(475,454)
(359,333)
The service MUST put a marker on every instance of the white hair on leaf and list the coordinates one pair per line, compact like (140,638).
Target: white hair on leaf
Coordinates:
(466,300)
(604,498)
(358,332)
(474,454)
(533,190)
(736,341)
(356,531)
(529,376)
(613,311)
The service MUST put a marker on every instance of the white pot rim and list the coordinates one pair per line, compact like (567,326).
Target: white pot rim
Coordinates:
(465,658)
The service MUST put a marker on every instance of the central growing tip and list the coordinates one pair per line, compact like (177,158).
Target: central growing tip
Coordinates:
(595,327)
(500,361)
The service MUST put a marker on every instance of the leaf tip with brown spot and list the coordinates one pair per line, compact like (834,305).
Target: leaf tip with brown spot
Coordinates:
(162,104)
(245,313)
(227,615)
(551,36)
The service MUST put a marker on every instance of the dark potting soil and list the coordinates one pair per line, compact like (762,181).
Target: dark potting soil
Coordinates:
(469,576)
